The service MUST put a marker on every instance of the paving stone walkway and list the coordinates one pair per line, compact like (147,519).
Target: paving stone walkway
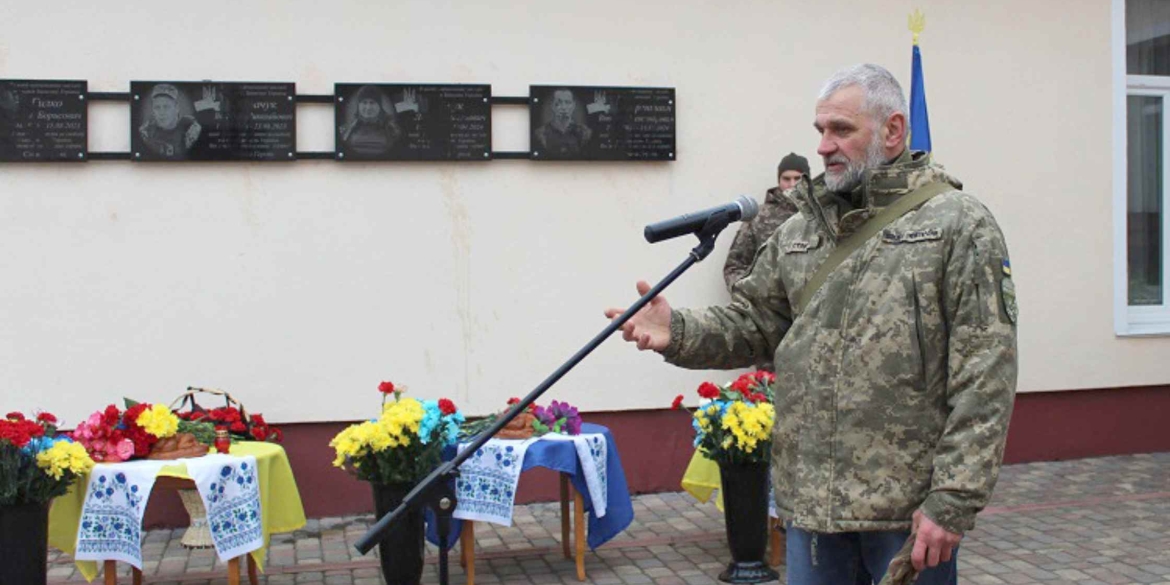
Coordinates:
(1089,521)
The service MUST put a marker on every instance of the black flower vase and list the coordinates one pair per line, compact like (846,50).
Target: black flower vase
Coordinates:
(745,510)
(401,549)
(24,543)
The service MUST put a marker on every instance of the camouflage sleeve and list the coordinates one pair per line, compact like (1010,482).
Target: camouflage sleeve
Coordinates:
(741,334)
(979,304)
(740,254)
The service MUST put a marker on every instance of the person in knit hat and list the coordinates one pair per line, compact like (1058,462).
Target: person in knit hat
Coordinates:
(777,208)
(373,129)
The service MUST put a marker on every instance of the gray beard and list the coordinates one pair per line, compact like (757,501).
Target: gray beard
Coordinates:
(850,178)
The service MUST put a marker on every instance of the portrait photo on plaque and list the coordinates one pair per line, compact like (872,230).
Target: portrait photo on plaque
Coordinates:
(392,121)
(212,121)
(601,123)
(43,121)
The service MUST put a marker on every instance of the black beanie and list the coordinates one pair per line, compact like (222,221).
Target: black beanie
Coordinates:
(793,162)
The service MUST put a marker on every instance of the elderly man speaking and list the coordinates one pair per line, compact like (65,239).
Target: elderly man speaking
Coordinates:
(888,309)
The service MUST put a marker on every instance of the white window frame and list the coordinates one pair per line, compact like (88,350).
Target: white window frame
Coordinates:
(1135,320)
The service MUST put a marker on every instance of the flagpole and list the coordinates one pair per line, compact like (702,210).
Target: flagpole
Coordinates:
(919,136)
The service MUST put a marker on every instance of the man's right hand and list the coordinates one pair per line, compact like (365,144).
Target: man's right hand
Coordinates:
(650,327)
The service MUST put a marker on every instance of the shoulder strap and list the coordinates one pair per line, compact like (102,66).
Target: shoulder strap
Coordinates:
(885,217)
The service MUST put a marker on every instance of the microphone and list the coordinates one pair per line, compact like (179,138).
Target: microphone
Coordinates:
(742,209)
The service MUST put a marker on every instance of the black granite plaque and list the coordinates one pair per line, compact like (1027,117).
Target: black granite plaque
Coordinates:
(394,121)
(212,121)
(601,123)
(42,121)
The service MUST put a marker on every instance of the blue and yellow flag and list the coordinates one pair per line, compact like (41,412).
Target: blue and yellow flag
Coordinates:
(919,119)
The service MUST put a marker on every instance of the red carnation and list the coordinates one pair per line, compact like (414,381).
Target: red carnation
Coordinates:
(758,397)
(259,432)
(238,427)
(275,434)
(708,390)
(386,387)
(112,416)
(744,384)
(513,400)
(765,377)
(46,418)
(14,416)
(20,432)
(677,404)
(446,406)
(132,413)
(226,414)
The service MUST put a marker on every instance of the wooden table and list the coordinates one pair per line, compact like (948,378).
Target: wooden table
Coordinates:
(110,569)
(573,549)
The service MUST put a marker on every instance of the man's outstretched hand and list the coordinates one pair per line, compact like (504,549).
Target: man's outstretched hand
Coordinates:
(650,327)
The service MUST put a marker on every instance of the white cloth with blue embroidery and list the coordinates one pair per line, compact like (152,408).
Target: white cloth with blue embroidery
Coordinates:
(116,496)
(592,451)
(111,519)
(486,488)
(230,490)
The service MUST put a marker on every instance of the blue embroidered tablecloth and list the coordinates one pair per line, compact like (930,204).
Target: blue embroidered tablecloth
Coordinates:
(561,456)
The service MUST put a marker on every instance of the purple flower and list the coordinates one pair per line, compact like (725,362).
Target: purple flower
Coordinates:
(563,410)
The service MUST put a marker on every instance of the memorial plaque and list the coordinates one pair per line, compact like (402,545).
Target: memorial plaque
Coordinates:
(212,121)
(394,121)
(601,123)
(42,121)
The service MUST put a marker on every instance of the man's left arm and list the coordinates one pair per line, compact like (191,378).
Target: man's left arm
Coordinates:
(980,310)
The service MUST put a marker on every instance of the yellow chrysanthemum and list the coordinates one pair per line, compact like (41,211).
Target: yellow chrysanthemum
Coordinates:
(396,427)
(351,442)
(749,424)
(64,456)
(159,421)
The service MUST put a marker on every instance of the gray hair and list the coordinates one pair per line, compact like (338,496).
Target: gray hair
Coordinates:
(881,93)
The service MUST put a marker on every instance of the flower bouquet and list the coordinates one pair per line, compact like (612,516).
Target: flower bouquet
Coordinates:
(37,465)
(402,445)
(143,430)
(393,452)
(733,427)
(557,417)
(733,422)
(240,425)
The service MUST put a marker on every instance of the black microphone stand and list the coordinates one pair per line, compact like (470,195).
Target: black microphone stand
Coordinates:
(436,491)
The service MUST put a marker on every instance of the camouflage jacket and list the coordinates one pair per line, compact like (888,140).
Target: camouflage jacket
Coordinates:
(777,208)
(895,385)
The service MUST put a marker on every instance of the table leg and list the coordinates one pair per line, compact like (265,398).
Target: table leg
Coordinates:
(565,515)
(579,526)
(110,568)
(253,577)
(467,549)
(777,542)
(234,571)
(136,575)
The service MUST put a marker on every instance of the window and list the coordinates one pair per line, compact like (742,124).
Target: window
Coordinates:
(1141,160)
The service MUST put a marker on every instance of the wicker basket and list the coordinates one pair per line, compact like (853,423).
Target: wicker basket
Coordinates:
(188,398)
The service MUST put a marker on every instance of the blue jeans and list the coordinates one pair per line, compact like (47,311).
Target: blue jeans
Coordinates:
(854,558)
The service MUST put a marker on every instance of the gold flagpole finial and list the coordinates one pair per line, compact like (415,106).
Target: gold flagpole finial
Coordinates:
(917,23)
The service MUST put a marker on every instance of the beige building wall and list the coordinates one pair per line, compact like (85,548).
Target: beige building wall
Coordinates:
(300,286)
